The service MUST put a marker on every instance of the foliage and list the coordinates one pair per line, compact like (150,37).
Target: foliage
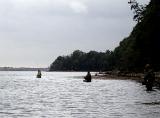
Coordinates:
(139,10)
(142,46)
(80,61)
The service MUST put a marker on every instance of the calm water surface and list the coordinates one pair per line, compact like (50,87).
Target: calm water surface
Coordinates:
(65,95)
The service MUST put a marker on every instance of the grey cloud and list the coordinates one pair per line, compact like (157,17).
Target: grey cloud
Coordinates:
(35,32)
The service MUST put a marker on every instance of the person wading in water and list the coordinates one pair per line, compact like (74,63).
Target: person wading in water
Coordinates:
(39,74)
(149,77)
(88,77)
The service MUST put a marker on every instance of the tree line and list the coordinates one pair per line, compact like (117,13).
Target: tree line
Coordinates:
(142,46)
(81,61)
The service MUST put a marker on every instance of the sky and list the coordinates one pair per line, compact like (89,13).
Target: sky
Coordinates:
(33,33)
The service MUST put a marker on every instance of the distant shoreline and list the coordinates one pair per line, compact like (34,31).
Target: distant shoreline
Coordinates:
(22,69)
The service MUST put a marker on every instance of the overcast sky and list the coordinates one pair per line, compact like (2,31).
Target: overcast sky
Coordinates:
(34,32)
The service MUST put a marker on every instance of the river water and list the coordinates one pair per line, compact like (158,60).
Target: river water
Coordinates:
(65,95)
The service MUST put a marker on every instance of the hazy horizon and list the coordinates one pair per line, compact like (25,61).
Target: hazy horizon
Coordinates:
(34,32)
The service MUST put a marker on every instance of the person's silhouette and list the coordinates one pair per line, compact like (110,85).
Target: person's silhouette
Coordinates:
(39,74)
(88,77)
(149,77)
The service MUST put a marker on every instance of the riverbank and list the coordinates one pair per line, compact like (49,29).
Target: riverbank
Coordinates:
(125,76)
(110,76)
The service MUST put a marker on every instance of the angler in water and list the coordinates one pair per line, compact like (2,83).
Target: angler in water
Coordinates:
(149,77)
(88,77)
(39,74)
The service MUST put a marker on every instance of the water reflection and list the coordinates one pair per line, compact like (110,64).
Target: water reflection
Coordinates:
(65,95)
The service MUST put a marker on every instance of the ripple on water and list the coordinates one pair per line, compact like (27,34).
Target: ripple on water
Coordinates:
(65,95)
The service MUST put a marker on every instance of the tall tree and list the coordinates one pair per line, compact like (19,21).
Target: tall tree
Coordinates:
(143,44)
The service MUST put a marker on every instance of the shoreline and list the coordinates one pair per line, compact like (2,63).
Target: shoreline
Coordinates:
(125,77)
(115,77)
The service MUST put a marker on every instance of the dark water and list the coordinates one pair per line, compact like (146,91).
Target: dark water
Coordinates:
(65,95)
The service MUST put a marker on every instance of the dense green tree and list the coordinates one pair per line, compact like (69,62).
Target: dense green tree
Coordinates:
(142,46)
(80,61)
